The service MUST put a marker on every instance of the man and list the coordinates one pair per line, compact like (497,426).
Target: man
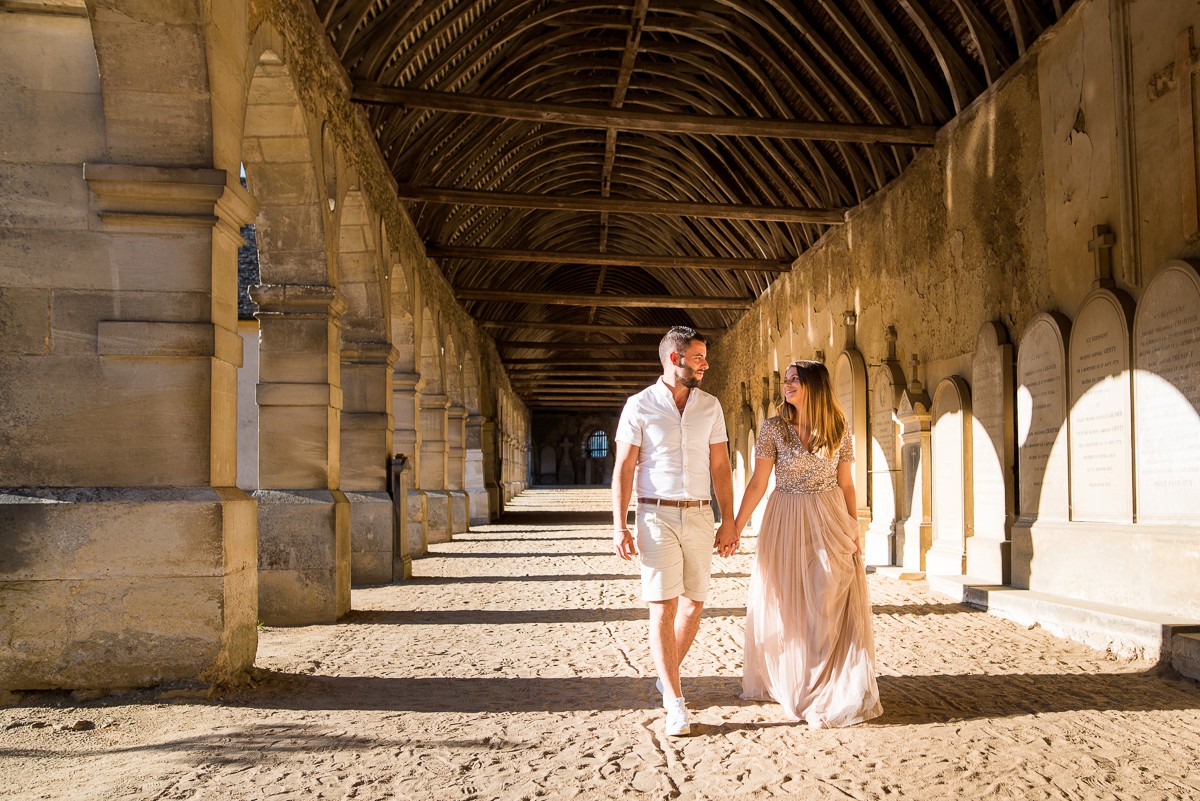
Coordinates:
(673,433)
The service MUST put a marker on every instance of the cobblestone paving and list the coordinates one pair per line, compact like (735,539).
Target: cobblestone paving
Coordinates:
(515,666)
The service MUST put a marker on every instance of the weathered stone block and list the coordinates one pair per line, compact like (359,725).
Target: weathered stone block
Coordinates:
(152,428)
(303,556)
(24,321)
(437,516)
(43,196)
(372,532)
(125,587)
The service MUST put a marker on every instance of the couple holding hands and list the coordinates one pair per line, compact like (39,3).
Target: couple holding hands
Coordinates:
(809,644)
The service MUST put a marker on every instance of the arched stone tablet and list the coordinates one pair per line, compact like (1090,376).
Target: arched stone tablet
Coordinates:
(1044,488)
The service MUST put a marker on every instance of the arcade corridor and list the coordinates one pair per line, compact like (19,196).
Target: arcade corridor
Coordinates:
(513,666)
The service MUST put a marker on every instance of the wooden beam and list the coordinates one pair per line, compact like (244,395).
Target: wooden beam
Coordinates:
(632,120)
(619,301)
(560,362)
(608,259)
(570,371)
(615,392)
(614,328)
(667,208)
(594,385)
(624,347)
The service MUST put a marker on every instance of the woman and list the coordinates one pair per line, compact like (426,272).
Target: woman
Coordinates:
(809,644)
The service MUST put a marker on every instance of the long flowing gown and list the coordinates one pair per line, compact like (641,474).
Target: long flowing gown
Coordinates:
(809,644)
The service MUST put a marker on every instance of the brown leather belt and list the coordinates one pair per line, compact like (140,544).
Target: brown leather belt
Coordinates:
(676,504)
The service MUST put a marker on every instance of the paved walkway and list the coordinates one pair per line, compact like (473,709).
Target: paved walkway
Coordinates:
(515,667)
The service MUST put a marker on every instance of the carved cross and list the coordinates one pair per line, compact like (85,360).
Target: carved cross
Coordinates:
(1102,245)
(891,336)
(1178,75)
(850,318)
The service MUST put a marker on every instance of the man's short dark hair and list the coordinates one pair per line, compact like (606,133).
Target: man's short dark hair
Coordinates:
(677,340)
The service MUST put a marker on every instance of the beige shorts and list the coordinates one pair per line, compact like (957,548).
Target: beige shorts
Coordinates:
(676,548)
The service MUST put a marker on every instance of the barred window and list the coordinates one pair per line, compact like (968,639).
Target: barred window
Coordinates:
(597,445)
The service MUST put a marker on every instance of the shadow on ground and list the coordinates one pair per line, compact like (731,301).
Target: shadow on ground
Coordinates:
(907,700)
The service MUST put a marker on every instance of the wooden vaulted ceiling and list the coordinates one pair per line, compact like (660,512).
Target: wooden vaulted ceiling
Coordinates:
(588,173)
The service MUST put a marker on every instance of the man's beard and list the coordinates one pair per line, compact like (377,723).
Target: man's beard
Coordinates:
(687,376)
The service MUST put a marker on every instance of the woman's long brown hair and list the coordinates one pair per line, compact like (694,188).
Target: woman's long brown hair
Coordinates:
(822,412)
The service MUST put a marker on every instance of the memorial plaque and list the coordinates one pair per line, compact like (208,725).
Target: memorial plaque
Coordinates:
(992,448)
(850,387)
(886,383)
(951,448)
(1101,411)
(1042,419)
(1166,343)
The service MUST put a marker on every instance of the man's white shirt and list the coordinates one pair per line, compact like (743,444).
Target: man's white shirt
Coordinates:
(673,456)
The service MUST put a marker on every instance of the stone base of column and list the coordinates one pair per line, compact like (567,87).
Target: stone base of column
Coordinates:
(945,558)
(879,545)
(460,512)
(108,588)
(479,505)
(372,538)
(989,560)
(417,545)
(303,556)
(912,541)
(495,503)
(437,516)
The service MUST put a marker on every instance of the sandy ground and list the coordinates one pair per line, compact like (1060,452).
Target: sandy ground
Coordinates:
(515,667)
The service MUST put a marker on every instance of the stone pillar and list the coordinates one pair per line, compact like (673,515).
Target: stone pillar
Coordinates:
(491,465)
(456,468)
(914,531)
(477,494)
(303,516)
(433,468)
(127,555)
(366,450)
(406,440)
(399,473)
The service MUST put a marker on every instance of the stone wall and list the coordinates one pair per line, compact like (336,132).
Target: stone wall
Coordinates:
(135,547)
(1068,178)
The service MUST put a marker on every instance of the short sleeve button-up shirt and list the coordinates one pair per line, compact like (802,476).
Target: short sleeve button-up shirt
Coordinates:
(673,455)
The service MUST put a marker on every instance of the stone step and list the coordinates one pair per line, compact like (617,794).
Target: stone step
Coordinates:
(1123,631)
(1185,653)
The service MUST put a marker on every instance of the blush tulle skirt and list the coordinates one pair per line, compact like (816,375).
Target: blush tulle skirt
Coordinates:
(809,644)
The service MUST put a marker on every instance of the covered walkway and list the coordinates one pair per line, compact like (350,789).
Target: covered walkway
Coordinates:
(514,666)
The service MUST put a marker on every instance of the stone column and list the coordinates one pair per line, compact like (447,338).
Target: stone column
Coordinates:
(303,517)
(406,407)
(433,468)
(366,449)
(477,494)
(456,467)
(914,531)
(491,473)
(127,555)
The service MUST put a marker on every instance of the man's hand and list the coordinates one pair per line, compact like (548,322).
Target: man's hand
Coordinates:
(727,540)
(623,544)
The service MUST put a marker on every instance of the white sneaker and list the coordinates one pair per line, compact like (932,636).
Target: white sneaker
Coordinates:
(678,722)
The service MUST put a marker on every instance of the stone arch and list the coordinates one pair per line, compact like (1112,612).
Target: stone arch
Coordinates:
(431,355)
(433,424)
(952,484)
(303,577)
(282,174)
(155,113)
(360,270)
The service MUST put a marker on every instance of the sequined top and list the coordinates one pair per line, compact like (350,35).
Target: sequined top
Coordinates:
(796,468)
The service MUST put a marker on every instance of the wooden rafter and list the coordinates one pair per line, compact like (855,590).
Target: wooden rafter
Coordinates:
(619,301)
(515,200)
(609,259)
(629,120)
(582,328)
